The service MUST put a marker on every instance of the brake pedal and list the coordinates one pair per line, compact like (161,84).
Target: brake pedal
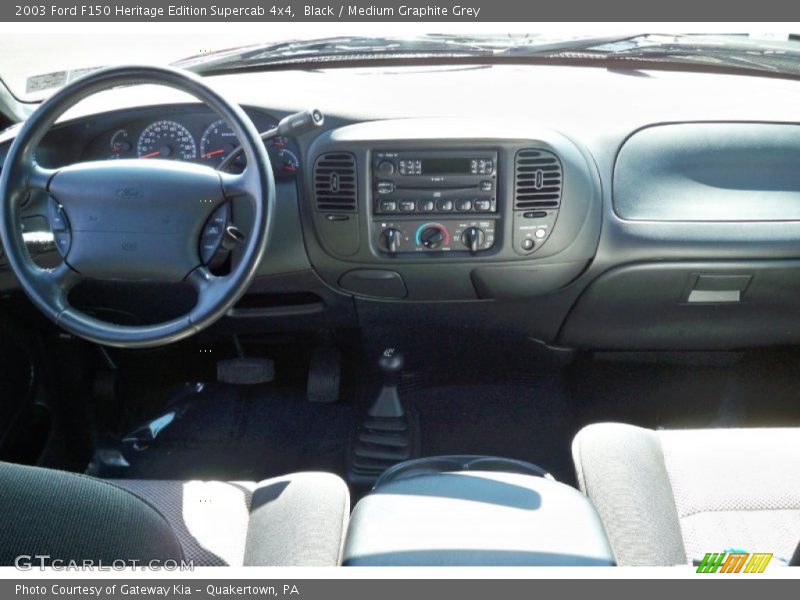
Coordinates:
(324,375)
(246,371)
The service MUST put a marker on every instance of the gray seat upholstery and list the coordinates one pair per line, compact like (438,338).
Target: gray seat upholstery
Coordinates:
(668,497)
(295,520)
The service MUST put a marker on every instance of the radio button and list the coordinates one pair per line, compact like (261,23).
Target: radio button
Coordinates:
(444,205)
(387,206)
(487,185)
(407,205)
(385,187)
(464,205)
(425,205)
(483,205)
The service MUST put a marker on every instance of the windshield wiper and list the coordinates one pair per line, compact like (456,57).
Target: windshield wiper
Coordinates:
(711,52)
(362,49)
(733,52)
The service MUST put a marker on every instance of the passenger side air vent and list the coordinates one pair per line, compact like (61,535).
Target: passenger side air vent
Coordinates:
(335,182)
(537,181)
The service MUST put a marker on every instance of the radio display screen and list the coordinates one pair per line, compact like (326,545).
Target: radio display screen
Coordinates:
(446,166)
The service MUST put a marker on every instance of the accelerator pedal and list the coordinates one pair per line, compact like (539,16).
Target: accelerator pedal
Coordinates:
(246,371)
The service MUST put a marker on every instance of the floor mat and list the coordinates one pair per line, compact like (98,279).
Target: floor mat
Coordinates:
(526,418)
(255,432)
(232,432)
(754,389)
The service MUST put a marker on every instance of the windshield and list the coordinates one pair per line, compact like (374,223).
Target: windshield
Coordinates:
(34,66)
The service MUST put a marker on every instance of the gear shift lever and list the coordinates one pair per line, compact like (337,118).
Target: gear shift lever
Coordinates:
(387,435)
(387,404)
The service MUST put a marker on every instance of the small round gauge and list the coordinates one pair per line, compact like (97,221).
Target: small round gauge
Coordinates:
(279,142)
(287,161)
(120,144)
(218,141)
(166,139)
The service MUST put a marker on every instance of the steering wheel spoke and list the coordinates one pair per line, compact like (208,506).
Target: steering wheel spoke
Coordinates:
(55,284)
(39,177)
(202,280)
(239,184)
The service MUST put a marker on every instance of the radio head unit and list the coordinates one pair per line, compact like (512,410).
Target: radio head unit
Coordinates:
(434,181)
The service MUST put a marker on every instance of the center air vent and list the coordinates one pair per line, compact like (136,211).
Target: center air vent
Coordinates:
(537,180)
(335,182)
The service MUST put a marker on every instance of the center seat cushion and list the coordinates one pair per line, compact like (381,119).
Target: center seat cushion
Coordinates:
(475,518)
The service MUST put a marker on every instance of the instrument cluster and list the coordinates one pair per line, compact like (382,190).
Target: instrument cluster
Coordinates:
(198,136)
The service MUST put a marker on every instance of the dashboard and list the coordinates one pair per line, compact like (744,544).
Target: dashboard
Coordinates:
(661,213)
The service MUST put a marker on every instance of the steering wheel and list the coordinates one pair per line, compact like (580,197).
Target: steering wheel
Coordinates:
(132,219)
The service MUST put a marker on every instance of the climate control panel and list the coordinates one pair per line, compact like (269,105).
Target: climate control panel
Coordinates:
(395,236)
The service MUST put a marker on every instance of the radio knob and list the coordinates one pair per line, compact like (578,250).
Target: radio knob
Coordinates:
(391,239)
(386,167)
(473,238)
(432,237)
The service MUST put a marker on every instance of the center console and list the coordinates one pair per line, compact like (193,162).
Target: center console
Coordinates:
(446,209)
(474,511)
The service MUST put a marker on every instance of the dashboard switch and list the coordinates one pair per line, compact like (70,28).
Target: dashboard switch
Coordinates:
(391,239)
(444,205)
(473,238)
(213,233)
(432,237)
(58,221)
(464,205)
(385,187)
(386,167)
(63,240)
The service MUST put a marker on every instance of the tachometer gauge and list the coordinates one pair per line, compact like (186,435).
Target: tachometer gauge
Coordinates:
(217,142)
(166,139)
(120,144)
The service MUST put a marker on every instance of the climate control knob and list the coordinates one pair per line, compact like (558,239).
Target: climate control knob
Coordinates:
(391,239)
(473,238)
(432,237)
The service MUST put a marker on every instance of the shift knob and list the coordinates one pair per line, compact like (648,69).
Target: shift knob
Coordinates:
(391,365)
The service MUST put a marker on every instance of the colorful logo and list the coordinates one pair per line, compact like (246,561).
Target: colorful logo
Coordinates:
(734,562)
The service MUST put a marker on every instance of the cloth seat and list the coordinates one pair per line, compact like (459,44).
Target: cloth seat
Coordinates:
(669,497)
(295,520)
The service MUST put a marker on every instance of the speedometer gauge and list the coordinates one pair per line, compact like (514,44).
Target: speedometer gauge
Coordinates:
(166,139)
(217,142)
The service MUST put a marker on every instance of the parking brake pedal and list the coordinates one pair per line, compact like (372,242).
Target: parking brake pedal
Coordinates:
(245,371)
